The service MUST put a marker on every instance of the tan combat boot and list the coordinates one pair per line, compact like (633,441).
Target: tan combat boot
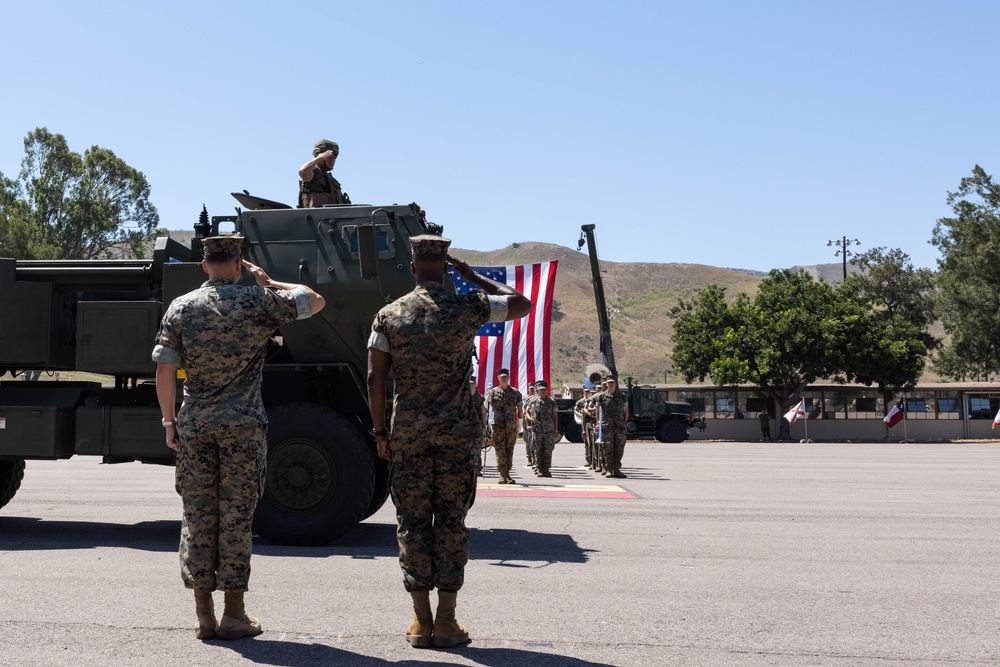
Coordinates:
(204,606)
(419,632)
(447,631)
(235,623)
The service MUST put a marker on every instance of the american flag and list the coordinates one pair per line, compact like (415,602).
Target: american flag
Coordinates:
(519,345)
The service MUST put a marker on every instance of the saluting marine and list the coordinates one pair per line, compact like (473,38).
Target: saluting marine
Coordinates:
(317,187)
(426,338)
(217,335)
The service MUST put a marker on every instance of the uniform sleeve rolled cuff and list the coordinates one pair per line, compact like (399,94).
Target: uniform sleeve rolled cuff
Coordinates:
(303,306)
(164,355)
(378,341)
(498,309)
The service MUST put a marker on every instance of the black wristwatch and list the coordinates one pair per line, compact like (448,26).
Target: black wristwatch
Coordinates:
(379,434)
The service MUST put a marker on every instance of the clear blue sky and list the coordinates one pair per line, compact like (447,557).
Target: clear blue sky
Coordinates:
(738,134)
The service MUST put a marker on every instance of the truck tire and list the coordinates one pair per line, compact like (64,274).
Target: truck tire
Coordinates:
(381,491)
(574,432)
(319,479)
(11,474)
(670,431)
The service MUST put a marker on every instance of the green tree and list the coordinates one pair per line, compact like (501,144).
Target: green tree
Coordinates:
(968,276)
(899,299)
(67,206)
(793,332)
(893,286)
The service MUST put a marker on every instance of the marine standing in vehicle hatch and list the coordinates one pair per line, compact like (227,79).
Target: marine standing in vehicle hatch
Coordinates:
(217,334)
(317,186)
(426,338)
(507,409)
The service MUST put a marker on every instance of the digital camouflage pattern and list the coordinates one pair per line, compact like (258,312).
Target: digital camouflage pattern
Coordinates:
(217,335)
(529,430)
(504,403)
(220,478)
(322,188)
(435,428)
(543,432)
(611,405)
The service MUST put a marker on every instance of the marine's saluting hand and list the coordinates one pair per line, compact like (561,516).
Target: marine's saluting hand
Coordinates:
(263,280)
(463,269)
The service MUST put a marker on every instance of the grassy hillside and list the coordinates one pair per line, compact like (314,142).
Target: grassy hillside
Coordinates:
(639,296)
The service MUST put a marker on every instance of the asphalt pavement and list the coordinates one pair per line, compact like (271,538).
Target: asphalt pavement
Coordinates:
(707,554)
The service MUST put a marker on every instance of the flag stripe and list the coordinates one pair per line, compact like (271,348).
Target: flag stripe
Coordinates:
(521,345)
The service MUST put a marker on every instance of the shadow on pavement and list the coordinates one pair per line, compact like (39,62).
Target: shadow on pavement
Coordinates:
(367,540)
(378,540)
(33,534)
(287,654)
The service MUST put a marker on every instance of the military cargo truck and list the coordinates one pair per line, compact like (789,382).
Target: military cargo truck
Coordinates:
(100,317)
(649,416)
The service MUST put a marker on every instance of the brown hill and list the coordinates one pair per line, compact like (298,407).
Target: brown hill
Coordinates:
(639,298)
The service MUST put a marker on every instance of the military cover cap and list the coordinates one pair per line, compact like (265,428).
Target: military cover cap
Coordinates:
(230,244)
(429,245)
(324,145)
(541,384)
(502,373)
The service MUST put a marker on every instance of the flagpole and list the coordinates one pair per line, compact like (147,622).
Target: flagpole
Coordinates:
(805,422)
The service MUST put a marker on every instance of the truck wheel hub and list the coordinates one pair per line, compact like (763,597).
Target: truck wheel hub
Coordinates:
(300,476)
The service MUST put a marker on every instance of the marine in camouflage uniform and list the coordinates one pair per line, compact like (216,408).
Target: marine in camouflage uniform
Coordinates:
(479,402)
(613,406)
(217,335)
(580,414)
(317,186)
(543,412)
(526,429)
(594,420)
(507,406)
(426,339)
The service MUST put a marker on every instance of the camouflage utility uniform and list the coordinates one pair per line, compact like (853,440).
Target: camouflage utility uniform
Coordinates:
(543,432)
(435,429)
(217,334)
(612,429)
(579,409)
(322,188)
(505,403)
(478,401)
(529,431)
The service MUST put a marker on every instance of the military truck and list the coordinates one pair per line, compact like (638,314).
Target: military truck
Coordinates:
(649,416)
(100,317)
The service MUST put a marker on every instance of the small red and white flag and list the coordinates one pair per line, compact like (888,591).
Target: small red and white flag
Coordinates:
(798,411)
(895,415)
(996,420)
